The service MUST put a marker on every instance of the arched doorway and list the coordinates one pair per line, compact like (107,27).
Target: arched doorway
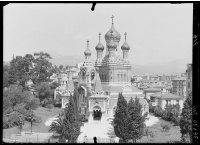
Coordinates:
(97,113)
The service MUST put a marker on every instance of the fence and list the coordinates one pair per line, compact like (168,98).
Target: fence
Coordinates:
(100,140)
(26,137)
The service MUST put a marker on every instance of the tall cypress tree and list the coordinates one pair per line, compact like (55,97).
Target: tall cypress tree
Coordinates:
(186,120)
(121,119)
(136,122)
(71,124)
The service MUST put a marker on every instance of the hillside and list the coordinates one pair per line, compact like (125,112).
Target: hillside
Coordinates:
(175,66)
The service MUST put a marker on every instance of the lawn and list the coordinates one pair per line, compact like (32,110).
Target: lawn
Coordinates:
(162,137)
(42,112)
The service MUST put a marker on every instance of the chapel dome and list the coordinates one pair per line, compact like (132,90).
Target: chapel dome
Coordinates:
(116,35)
(125,46)
(111,44)
(99,46)
(87,51)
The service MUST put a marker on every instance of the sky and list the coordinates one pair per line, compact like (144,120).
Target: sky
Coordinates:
(155,32)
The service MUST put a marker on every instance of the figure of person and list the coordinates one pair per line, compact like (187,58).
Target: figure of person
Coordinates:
(95,139)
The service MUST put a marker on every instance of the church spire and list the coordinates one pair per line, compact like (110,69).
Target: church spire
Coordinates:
(97,86)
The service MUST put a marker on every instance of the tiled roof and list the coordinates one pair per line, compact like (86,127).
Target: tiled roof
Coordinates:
(112,88)
(134,89)
(152,89)
(166,96)
(179,79)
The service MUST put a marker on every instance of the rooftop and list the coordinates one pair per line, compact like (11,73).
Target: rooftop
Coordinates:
(152,89)
(166,96)
(179,79)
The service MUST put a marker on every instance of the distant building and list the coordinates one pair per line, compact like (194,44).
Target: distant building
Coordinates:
(161,99)
(188,79)
(149,91)
(155,77)
(179,86)
(146,77)
(183,74)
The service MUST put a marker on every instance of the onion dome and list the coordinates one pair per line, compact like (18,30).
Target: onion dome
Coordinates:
(111,44)
(87,51)
(99,45)
(125,46)
(116,35)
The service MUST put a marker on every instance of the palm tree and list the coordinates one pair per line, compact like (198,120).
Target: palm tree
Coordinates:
(57,127)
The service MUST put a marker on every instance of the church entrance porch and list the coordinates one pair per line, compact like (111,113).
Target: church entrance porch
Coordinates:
(97,113)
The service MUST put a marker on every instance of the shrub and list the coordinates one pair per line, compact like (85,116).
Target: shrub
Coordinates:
(177,121)
(151,134)
(151,108)
(146,132)
(49,106)
(158,111)
(165,127)
(166,115)
(146,114)
(38,119)
(13,119)
(5,122)
(83,118)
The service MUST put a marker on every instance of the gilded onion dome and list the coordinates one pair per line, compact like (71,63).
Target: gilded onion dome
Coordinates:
(87,51)
(116,35)
(125,46)
(99,45)
(111,44)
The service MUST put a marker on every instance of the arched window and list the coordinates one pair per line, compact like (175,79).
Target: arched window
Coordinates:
(122,77)
(118,78)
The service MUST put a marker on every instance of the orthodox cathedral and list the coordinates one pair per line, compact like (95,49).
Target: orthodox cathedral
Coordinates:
(99,84)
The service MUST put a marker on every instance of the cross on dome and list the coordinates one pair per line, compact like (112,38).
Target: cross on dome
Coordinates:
(99,36)
(125,36)
(87,43)
(112,20)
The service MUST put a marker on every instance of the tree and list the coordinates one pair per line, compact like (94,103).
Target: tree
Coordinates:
(42,67)
(57,127)
(61,67)
(132,80)
(30,117)
(71,124)
(121,119)
(44,91)
(5,76)
(136,123)
(186,120)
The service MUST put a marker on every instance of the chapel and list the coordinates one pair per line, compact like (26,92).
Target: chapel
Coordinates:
(99,84)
